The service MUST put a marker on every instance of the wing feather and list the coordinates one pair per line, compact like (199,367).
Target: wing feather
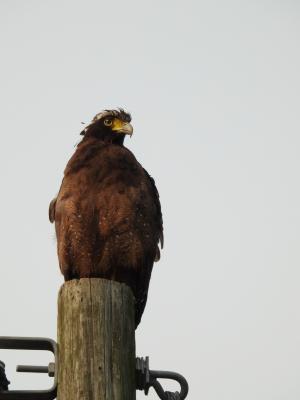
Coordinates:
(52,206)
(159,219)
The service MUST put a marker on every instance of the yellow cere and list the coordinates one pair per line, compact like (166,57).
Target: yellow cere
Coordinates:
(117,124)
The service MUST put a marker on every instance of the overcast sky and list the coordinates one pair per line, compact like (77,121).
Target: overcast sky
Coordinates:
(214,90)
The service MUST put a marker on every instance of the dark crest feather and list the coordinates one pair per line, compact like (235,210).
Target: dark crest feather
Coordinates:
(118,113)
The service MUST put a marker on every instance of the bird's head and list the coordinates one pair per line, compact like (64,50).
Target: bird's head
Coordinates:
(110,125)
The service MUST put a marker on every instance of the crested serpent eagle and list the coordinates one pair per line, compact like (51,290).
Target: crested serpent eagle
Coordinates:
(107,213)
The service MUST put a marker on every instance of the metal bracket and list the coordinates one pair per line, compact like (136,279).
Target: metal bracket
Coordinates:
(145,378)
(24,343)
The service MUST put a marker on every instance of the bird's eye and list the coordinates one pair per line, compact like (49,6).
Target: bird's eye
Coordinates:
(107,122)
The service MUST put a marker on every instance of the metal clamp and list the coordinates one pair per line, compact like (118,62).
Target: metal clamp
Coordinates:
(24,343)
(145,378)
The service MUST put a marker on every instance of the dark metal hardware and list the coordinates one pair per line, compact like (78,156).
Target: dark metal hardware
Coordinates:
(3,380)
(145,378)
(24,343)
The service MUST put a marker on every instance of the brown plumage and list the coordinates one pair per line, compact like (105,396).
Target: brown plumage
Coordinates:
(107,213)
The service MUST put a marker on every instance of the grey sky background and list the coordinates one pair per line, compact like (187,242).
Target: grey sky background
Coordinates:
(213,88)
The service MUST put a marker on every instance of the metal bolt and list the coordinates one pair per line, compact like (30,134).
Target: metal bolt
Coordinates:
(50,370)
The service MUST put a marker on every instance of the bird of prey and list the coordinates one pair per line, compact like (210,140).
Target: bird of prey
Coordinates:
(107,213)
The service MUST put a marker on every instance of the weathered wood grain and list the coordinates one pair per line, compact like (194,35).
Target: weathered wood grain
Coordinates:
(96,341)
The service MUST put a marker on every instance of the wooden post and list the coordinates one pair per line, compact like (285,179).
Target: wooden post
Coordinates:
(96,341)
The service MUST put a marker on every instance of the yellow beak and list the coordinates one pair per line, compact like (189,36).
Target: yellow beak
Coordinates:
(120,126)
